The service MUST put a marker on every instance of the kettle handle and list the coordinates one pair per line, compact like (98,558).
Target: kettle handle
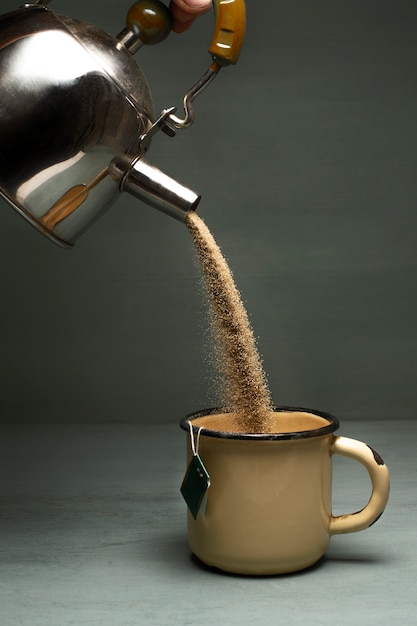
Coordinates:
(149,22)
(225,50)
(229,31)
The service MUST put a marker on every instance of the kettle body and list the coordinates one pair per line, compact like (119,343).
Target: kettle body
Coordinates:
(72,100)
(77,118)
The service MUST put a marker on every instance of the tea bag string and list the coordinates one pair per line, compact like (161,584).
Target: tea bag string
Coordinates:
(195,443)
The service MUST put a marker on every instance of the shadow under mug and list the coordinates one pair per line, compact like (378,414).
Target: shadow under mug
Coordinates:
(268,507)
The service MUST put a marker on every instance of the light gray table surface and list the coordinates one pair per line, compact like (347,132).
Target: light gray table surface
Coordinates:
(93,531)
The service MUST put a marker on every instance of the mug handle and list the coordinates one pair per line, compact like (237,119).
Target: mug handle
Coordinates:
(379,475)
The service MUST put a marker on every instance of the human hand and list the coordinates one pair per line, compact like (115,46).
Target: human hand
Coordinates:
(186,11)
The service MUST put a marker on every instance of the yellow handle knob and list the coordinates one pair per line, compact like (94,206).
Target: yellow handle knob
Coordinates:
(229,31)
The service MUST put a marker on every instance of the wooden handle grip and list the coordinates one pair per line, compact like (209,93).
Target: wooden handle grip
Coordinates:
(229,31)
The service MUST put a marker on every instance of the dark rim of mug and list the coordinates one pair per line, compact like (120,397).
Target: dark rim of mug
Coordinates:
(304,434)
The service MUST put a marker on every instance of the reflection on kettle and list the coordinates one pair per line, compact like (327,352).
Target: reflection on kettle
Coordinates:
(76,114)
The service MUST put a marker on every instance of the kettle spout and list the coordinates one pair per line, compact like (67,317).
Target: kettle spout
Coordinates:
(145,181)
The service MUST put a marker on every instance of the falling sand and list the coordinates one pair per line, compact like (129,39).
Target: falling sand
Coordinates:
(244,384)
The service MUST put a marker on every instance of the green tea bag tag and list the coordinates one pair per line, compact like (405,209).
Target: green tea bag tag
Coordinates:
(196,480)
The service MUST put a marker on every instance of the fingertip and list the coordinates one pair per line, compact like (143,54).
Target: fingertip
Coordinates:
(180,27)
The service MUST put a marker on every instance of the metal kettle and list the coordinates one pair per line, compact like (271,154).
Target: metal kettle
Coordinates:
(77,118)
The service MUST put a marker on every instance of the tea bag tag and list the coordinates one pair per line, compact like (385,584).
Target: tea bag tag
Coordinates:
(196,480)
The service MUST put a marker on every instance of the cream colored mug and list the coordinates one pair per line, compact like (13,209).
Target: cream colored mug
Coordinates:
(268,505)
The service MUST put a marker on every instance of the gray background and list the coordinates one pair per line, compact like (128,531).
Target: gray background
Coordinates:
(305,154)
